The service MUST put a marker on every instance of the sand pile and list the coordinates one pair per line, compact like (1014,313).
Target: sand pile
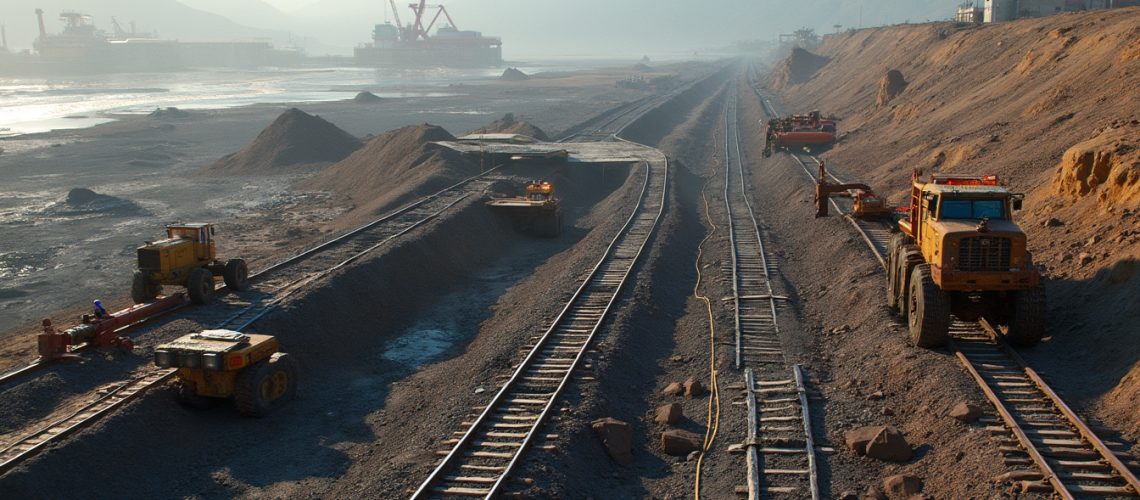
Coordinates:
(891,85)
(295,139)
(508,124)
(642,67)
(168,114)
(1107,166)
(798,68)
(514,75)
(394,167)
(367,97)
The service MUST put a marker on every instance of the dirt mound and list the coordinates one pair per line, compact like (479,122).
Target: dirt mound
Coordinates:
(168,114)
(1107,165)
(644,68)
(508,124)
(394,167)
(367,97)
(295,138)
(86,201)
(1124,399)
(798,68)
(514,75)
(891,85)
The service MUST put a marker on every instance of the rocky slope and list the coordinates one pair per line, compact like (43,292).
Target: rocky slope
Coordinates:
(1050,104)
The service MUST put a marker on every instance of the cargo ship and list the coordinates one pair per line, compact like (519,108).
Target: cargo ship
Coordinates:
(411,45)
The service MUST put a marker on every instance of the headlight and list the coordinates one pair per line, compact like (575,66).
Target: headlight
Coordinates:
(212,361)
(189,360)
(163,358)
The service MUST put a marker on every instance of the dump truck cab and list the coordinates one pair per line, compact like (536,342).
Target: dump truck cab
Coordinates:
(186,257)
(959,252)
(222,364)
(540,191)
(965,231)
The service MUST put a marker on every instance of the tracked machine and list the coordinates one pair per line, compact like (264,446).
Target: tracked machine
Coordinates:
(799,131)
(187,257)
(215,365)
(959,253)
(538,212)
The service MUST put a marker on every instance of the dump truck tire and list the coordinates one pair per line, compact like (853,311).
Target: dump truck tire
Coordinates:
(142,290)
(266,385)
(200,285)
(186,396)
(908,258)
(1027,320)
(928,310)
(236,275)
(893,287)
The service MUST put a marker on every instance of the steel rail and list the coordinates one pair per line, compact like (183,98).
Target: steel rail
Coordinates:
(774,409)
(609,293)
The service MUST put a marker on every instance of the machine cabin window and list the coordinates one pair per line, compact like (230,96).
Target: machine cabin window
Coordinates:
(972,209)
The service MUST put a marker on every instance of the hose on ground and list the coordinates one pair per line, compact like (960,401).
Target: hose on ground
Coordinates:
(714,399)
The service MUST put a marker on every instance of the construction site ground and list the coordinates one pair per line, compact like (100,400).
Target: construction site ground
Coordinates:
(397,349)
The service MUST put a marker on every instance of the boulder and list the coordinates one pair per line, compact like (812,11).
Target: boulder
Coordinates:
(891,85)
(890,445)
(673,389)
(881,441)
(873,493)
(901,486)
(669,414)
(694,388)
(966,412)
(680,443)
(617,437)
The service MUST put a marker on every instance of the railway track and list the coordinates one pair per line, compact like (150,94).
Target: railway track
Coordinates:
(1036,429)
(780,449)
(483,456)
(275,283)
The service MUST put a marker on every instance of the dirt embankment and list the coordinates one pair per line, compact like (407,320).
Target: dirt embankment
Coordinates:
(393,168)
(1049,104)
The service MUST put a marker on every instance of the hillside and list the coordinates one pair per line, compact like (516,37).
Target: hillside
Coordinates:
(1050,104)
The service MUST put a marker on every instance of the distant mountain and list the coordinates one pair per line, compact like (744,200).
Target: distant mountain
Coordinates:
(169,17)
(255,13)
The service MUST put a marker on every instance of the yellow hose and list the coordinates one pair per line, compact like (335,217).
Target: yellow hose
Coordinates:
(713,418)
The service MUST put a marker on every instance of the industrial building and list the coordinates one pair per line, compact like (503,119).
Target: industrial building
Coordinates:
(1008,10)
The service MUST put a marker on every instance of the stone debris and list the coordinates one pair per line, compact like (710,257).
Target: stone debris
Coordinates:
(966,412)
(673,389)
(880,442)
(694,388)
(901,486)
(669,414)
(680,443)
(617,437)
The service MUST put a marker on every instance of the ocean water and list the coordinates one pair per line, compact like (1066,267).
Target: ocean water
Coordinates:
(33,105)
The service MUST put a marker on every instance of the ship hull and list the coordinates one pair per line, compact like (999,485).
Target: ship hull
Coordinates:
(430,55)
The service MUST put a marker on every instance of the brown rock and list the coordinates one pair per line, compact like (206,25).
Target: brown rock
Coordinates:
(669,414)
(891,85)
(889,444)
(858,438)
(680,443)
(673,389)
(694,388)
(966,412)
(849,495)
(901,486)
(873,493)
(617,437)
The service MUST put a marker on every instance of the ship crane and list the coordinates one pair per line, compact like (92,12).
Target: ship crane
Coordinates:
(442,10)
(119,33)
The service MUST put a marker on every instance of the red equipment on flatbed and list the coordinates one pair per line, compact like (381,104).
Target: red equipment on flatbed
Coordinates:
(794,131)
(101,332)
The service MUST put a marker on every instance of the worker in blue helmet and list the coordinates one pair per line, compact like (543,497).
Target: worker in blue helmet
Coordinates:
(100,311)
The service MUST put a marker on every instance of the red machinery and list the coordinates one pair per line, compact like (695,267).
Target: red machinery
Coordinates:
(100,332)
(867,203)
(798,131)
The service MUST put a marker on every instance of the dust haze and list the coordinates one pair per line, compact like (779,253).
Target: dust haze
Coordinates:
(529,29)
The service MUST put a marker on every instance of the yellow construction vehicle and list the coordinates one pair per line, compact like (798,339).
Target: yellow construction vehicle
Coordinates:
(185,258)
(537,212)
(217,364)
(960,253)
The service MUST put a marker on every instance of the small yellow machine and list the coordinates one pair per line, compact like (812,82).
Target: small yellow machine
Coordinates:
(217,364)
(538,212)
(185,258)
